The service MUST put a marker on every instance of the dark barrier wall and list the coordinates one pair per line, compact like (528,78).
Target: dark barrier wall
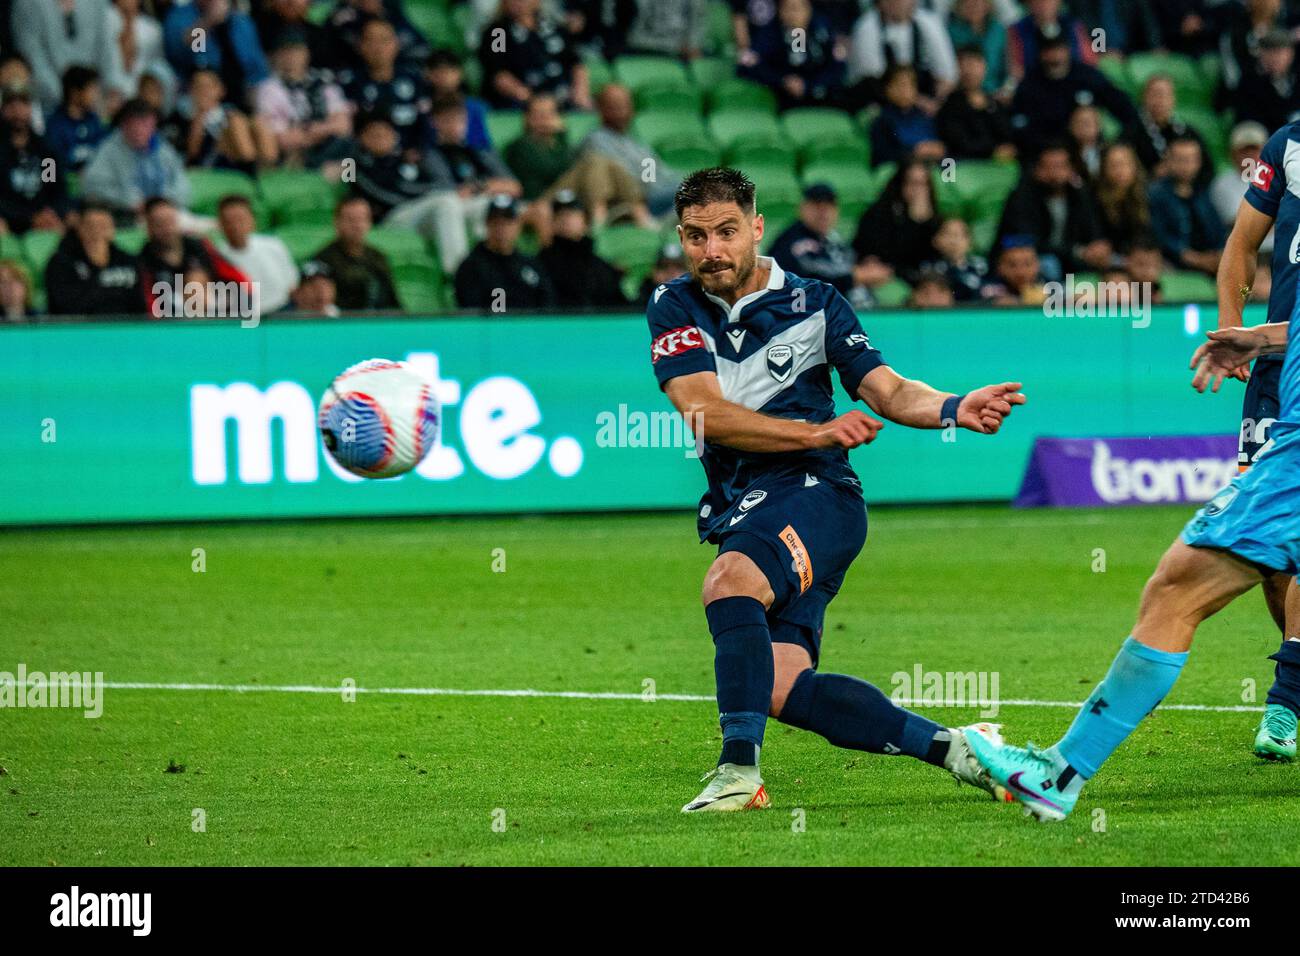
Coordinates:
(154,421)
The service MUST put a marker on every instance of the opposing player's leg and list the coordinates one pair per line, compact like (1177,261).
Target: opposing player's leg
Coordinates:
(1276,733)
(1189,585)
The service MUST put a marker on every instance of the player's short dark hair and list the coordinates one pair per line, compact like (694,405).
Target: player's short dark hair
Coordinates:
(234,199)
(348,200)
(76,79)
(153,202)
(447,103)
(718,184)
(368,118)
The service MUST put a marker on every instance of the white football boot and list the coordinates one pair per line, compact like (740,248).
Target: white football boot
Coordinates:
(961,763)
(732,788)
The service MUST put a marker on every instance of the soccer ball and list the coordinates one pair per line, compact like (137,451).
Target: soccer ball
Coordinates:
(379,418)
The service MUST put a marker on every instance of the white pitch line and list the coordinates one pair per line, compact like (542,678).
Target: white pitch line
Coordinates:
(585,695)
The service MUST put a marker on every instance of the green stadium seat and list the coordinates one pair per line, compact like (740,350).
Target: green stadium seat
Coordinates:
(132,240)
(664,126)
(433,21)
(737,94)
(459,18)
(298,196)
(1188,79)
(657,97)
(1188,287)
(947,193)
(746,155)
(854,185)
(403,247)
(1213,128)
(579,125)
(422,294)
(775,184)
(636,72)
(208,186)
(709,71)
(1116,70)
(13,247)
(686,157)
(627,246)
(856,151)
(893,294)
(804,125)
(599,73)
(36,249)
(735,126)
(977,178)
(721,37)
(304,240)
(982,233)
(504,127)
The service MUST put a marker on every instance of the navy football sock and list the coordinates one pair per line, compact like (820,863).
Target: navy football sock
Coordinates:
(852,713)
(742,665)
(1286,677)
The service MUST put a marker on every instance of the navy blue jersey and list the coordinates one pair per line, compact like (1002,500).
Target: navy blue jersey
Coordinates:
(772,352)
(1274,190)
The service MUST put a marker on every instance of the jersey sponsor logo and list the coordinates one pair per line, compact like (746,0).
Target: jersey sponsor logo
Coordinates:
(675,342)
(737,336)
(1262,176)
(779,361)
(800,561)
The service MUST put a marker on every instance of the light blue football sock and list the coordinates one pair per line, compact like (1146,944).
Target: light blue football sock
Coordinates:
(1138,680)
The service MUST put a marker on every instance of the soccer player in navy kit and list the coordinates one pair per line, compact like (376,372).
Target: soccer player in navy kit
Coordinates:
(744,351)
(1270,201)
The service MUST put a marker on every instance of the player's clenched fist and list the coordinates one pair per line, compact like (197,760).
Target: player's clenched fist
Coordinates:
(984,409)
(848,431)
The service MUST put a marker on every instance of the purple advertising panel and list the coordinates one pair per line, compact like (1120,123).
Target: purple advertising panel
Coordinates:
(1092,472)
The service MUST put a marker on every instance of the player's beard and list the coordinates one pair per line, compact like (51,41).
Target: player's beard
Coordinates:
(716,284)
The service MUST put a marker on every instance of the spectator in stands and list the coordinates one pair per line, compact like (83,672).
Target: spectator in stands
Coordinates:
(798,57)
(138,41)
(1146,265)
(15,74)
(380,84)
(1044,22)
(898,229)
(1058,214)
(168,253)
(496,275)
(212,35)
(264,259)
(88,274)
(1228,188)
(302,107)
(972,124)
(812,247)
(931,291)
(895,33)
(1183,219)
(1083,136)
(1018,279)
(348,21)
(1118,28)
(211,132)
(316,293)
(613,139)
(542,153)
(1240,37)
(581,279)
(1188,27)
(965,272)
(1157,126)
(971,24)
(523,52)
(15,292)
(362,276)
(1045,98)
(1270,94)
(1121,191)
(599,27)
(74,131)
(445,76)
(278,21)
(747,18)
(33,188)
(53,35)
(670,263)
(676,28)
(903,129)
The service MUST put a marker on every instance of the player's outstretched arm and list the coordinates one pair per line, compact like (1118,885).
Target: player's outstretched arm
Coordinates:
(698,397)
(917,405)
(1230,351)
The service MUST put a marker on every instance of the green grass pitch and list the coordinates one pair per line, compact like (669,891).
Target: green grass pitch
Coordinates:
(589,604)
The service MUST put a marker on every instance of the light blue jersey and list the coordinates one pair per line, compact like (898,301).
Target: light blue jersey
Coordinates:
(1257,516)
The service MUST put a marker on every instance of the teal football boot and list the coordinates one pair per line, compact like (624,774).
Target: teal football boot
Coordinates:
(1275,738)
(1027,775)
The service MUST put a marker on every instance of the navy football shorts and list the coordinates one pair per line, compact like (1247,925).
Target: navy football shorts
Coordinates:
(1259,410)
(803,532)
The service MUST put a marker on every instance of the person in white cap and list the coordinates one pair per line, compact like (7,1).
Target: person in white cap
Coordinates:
(1229,186)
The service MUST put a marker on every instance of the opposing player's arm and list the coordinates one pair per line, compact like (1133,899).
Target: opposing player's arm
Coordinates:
(914,403)
(698,396)
(1229,351)
(1237,266)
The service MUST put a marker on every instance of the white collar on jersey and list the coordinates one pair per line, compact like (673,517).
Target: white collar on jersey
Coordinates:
(775,280)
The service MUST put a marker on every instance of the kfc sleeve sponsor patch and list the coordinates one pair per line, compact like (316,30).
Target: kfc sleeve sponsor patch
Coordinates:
(676,342)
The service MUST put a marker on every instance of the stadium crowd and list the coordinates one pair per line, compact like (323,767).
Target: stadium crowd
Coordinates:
(428,155)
